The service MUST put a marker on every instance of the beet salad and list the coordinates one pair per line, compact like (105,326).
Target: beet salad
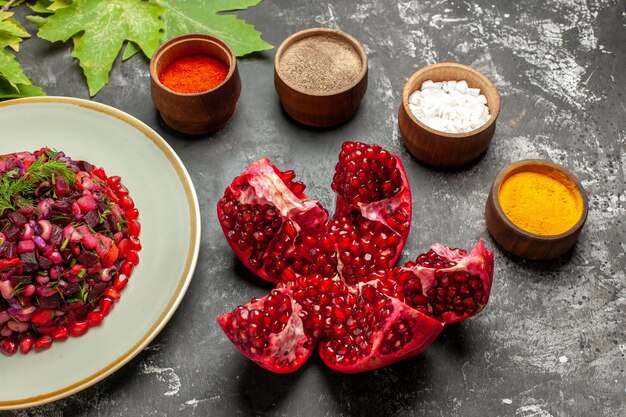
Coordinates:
(68,245)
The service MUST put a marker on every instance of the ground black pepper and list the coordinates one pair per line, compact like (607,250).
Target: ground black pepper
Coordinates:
(321,63)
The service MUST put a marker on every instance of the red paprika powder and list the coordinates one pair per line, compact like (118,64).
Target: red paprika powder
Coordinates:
(194,74)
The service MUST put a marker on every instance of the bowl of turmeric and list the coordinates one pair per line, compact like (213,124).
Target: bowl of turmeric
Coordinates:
(536,209)
(195,83)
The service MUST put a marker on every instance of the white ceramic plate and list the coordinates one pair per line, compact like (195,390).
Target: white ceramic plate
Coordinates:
(170,236)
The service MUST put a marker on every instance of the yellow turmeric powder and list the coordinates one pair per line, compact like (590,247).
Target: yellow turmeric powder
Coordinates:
(540,204)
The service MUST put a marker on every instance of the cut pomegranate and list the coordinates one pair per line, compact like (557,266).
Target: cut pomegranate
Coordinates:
(376,331)
(373,211)
(448,284)
(336,285)
(270,331)
(278,233)
(262,214)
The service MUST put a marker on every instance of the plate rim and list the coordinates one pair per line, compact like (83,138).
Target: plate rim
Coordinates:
(190,263)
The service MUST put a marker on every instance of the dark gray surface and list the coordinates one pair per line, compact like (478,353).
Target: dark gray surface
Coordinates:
(551,342)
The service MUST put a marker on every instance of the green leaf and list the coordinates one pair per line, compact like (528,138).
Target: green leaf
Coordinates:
(99,30)
(37,20)
(17,3)
(40,6)
(8,91)
(10,69)
(201,16)
(11,32)
(130,50)
(48,6)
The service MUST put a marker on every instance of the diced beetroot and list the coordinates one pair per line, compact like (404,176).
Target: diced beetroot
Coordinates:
(29,261)
(87,258)
(12,233)
(45,263)
(61,189)
(18,218)
(87,203)
(57,235)
(92,218)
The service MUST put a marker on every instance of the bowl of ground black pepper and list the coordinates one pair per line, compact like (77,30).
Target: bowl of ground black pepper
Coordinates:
(195,83)
(320,76)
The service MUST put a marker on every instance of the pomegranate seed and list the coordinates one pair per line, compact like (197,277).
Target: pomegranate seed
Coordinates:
(131,214)
(113,181)
(60,334)
(8,346)
(26,344)
(105,306)
(135,243)
(43,343)
(112,293)
(94,318)
(122,246)
(132,257)
(120,282)
(127,203)
(134,228)
(99,172)
(127,268)
(121,191)
(79,328)
(42,316)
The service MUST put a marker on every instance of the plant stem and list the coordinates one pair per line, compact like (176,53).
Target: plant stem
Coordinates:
(6,6)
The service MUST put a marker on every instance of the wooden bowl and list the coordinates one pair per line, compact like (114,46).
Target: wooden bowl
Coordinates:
(442,149)
(520,242)
(197,113)
(320,109)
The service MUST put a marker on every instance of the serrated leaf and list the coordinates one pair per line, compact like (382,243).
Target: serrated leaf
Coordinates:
(37,20)
(59,4)
(11,32)
(201,16)
(130,50)
(17,3)
(99,30)
(8,91)
(11,27)
(40,6)
(10,69)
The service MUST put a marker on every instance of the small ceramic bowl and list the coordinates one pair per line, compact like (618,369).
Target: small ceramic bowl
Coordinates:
(320,109)
(520,242)
(441,149)
(197,113)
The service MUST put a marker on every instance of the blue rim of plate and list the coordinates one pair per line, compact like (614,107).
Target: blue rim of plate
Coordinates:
(190,261)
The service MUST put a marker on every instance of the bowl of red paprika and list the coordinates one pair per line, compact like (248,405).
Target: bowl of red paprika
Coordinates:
(195,83)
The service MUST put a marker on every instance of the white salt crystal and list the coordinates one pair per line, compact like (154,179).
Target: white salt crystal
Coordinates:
(449,106)
(461,86)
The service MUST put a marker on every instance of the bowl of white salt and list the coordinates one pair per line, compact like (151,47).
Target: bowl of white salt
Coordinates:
(448,114)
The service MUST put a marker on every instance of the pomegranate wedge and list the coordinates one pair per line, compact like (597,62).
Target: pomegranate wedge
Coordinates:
(270,331)
(448,284)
